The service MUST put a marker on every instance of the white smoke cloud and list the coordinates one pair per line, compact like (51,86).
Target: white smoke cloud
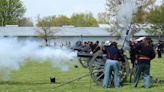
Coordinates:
(125,12)
(124,18)
(14,53)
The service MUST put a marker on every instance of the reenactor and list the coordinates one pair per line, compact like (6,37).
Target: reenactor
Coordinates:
(145,53)
(132,52)
(159,49)
(111,64)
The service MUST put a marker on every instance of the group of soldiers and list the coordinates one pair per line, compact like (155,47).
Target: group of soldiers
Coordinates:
(141,54)
(88,47)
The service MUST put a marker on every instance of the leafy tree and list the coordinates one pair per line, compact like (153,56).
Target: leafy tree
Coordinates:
(156,17)
(139,17)
(25,22)
(78,20)
(10,12)
(83,20)
(60,20)
(143,10)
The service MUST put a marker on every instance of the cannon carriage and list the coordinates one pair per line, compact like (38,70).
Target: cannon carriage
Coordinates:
(95,63)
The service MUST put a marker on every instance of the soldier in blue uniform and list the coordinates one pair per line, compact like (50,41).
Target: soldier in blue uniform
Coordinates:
(145,53)
(159,49)
(111,65)
(132,52)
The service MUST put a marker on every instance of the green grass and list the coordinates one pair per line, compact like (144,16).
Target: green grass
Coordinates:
(34,77)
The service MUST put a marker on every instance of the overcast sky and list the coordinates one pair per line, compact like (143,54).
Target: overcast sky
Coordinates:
(64,7)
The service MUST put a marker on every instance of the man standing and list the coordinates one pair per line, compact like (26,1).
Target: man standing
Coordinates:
(132,52)
(111,65)
(146,53)
(159,49)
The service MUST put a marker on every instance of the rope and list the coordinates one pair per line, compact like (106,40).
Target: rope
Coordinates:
(67,82)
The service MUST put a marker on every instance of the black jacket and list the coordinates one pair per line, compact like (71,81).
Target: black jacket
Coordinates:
(147,51)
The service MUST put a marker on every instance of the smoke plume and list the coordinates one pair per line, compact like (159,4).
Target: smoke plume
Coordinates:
(14,53)
(124,16)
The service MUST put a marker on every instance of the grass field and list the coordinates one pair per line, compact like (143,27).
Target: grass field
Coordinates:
(34,77)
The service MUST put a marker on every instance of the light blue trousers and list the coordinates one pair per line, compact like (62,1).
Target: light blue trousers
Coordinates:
(111,65)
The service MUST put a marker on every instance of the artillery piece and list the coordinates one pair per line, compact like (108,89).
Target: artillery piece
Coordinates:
(95,63)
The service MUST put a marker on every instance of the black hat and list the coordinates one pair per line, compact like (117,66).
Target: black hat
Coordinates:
(114,43)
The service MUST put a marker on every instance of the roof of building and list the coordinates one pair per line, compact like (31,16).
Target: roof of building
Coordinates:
(58,31)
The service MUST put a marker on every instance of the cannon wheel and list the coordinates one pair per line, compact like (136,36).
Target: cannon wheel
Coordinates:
(96,68)
(97,73)
(84,62)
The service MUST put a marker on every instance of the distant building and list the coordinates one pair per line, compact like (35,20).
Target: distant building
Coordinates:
(64,34)
(104,25)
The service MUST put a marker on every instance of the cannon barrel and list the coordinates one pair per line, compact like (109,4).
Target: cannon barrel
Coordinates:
(77,49)
(87,55)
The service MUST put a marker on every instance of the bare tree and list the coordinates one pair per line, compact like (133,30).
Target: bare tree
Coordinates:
(46,32)
(103,18)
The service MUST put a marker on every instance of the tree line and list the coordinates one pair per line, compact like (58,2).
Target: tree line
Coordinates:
(77,20)
(12,13)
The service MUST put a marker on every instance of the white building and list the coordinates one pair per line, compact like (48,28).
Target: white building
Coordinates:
(64,34)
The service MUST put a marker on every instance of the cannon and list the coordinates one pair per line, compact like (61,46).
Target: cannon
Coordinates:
(95,63)
(83,54)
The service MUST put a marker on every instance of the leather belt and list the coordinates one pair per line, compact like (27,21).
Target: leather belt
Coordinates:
(144,58)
